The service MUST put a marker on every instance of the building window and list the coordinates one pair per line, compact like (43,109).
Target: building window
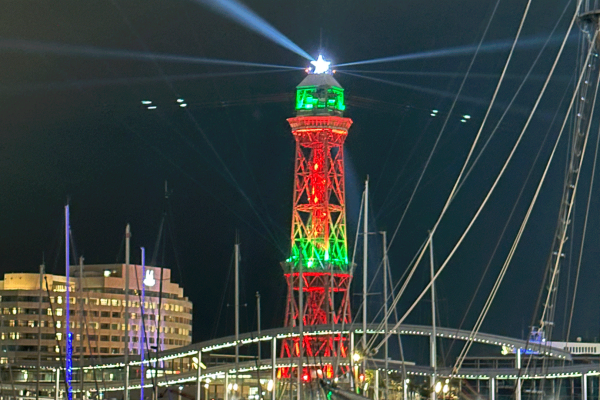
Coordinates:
(114,351)
(104,338)
(105,314)
(31,324)
(59,312)
(59,300)
(58,336)
(116,315)
(104,350)
(114,327)
(104,302)
(104,326)
(116,303)
(115,339)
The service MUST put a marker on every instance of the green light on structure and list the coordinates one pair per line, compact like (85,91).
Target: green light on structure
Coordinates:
(311,97)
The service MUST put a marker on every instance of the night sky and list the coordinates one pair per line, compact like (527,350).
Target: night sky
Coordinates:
(72,127)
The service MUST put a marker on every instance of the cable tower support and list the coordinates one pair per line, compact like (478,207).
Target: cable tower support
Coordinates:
(582,119)
(317,272)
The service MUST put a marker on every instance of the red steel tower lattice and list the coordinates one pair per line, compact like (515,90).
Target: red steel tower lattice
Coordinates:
(319,252)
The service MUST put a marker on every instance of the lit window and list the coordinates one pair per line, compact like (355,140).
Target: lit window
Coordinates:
(11,322)
(49,311)
(58,335)
(104,302)
(59,312)
(31,324)
(59,300)
(115,303)
(56,349)
(73,300)
(58,324)
(14,310)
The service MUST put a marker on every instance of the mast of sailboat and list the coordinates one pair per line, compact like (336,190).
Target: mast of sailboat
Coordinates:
(126,358)
(432,338)
(68,334)
(237,307)
(39,355)
(143,333)
(385,313)
(81,319)
(365,272)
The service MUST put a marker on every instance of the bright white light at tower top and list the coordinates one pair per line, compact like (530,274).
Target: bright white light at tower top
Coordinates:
(320,65)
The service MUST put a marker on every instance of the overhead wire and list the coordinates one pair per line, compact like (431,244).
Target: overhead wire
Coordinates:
(494,185)
(413,269)
(199,129)
(508,221)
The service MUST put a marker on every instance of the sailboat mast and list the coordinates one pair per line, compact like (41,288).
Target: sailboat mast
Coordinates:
(126,358)
(68,334)
(432,338)
(365,271)
(237,308)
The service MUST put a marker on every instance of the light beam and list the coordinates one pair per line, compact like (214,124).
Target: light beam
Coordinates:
(241,14)
(458,51)
(97,52)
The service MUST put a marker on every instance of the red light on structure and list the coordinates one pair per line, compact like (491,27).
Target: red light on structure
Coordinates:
(361,378)
(305,377)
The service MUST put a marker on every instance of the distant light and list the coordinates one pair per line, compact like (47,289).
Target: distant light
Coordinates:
(463,120)
(206,386)
(235,387)
(434,111)
(151,107)
(356,357)
(466,116)
(180,100)
(106,273)
(433,115)
(180,387)
(270,385)
(321,66)
(183,105)
(146,102)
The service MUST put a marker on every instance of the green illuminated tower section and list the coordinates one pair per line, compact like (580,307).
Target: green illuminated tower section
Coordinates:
(319,246)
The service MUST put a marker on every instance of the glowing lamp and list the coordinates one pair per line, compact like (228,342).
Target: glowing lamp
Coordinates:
(320,65)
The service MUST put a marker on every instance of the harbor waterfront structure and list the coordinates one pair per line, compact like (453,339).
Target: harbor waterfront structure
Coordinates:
(100,331)
(318,273)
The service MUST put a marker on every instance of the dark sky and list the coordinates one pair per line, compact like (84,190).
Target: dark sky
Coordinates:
(72,126)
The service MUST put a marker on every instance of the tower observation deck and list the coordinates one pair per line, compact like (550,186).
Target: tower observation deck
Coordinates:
(317,272)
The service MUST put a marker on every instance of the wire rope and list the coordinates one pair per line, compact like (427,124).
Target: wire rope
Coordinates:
(491,190)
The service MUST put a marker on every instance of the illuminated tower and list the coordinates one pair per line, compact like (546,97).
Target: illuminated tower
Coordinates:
(319,245)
